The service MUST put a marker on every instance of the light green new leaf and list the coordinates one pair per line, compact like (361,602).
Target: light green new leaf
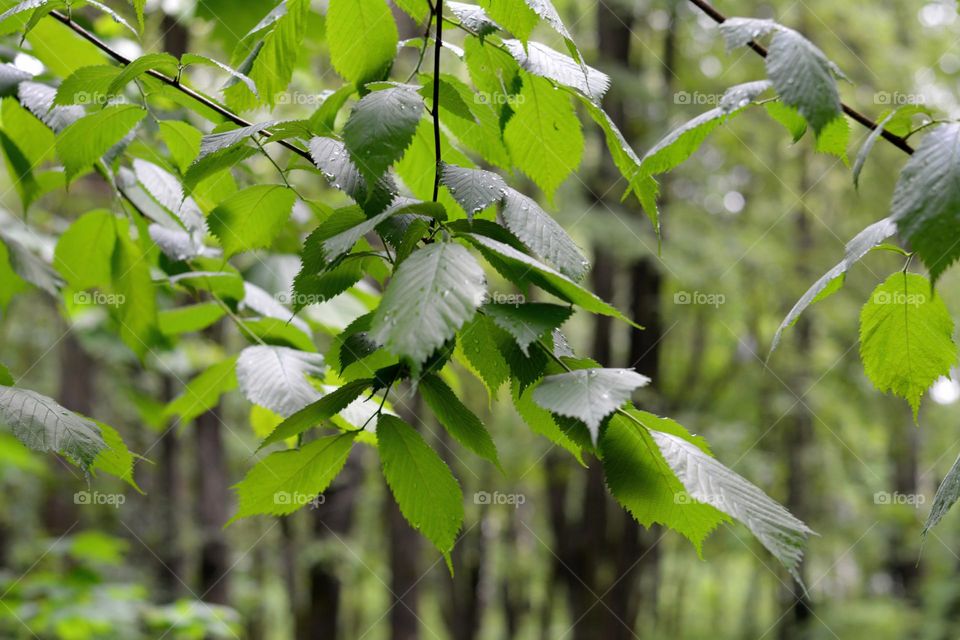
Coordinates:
(589,395)
(84,251)
(477,342)
(709,482)
(423,486)
(6,380)
(203,392)
(544,135)
(133,287)
(543,235)
(946,497)
(43,425)
(252,218)
(87,85)
(432,294)
(381,127)
(88,139)
(196,317)
(182,140)
(926,200)
(681,143)
(116,458)
(276,377)
(529,322)
(906,337)
(458,420)
(162,62)
(362,37)
(285,481)
(861,244)
(516,17)
(642,481)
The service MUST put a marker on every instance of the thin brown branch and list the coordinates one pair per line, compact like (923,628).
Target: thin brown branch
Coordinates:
(861,119)
(172,82)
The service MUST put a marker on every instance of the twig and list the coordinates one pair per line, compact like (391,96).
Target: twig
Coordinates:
(172,82)
(438,46)
(861,119)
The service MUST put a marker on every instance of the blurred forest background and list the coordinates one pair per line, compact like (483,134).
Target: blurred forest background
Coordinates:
(750,222)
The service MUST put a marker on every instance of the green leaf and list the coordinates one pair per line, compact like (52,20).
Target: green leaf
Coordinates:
(709,482)
(203,392)
(162,62)
(867,147)
(416,9)
(381,127)
(116,458)
(30,267)
(589,395)
(189,319)
(516,17)
(222,140)
(789,117)
(182,140)
(252,218)
(946,497)
(43,425)
(540,60)
(473,189)
(276,377)
(363,39)
(544,135)
(88,139)
(139,6)
(87,85)
(803,78)
(642,481)
(681,143)
(193,58)
(6,380)
(858,247)
(542,235)
(473,17)
(458,420)
(529,322)
(542,421)
(835,138)
(133,287)
(285,481)
(84,251)
(906,337)
(316,412)
(521,269)
(272,59)
(423,486)
(432,294)
(477,342)
(926,200)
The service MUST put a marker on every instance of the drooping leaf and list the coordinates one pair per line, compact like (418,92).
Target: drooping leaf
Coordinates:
(945,498)
(544,135)
(182,140)
(363,39)
(196,317)
(906,337)
(135,294)
(276,377)
(84,250)
(642,481)
(115,458)
(708,481)
(589,395)
(543,235)
(458,420)
(252,218)
(423,486)
(432,294)
(43,425)
(529,322)
(30,267)
(476,341)
(858,247)
(867,147)
(540,60)
(380,129)
(926,200)
(285,481)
